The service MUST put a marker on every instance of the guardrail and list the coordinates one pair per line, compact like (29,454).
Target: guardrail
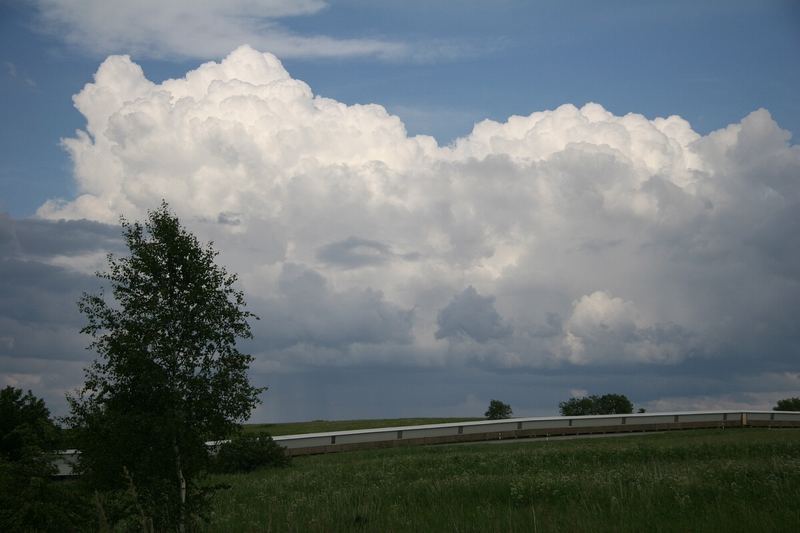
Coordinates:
(515,428)
(512,428)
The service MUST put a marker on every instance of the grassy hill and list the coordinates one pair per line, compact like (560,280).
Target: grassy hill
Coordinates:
(700,480)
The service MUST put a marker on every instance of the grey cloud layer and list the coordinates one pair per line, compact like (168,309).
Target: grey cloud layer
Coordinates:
(43,271)
(563,240)
(473,316)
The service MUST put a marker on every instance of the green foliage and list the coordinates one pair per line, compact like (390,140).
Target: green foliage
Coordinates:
(788,404)
(607,404)
(29,499)
(169,376)
(498,410)
(698,480)
(247,451)
(25,426)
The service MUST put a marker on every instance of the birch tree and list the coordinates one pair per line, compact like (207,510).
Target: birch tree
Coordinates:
(168,376)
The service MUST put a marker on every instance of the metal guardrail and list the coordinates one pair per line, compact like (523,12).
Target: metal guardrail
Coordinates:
(512,428)
(312,443)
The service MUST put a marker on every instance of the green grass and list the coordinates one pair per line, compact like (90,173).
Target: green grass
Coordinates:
(321,426)
(700,480)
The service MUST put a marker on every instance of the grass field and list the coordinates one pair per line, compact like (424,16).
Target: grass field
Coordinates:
(699,480)
(321,426)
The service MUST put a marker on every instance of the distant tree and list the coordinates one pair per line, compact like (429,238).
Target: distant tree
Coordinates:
(584,405)
(788,404)
(498,410)
(608,404)
(614,404)
(641,410)
(169,376)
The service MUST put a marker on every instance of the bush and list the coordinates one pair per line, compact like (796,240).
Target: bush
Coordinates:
(29,499)
(498,410)
(26,429)
(247,451)
(788,404)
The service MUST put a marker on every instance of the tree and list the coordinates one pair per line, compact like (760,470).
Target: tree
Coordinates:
(608,404)
(788,404)
(577,406)
(169,376)
(614,404)
(498,410)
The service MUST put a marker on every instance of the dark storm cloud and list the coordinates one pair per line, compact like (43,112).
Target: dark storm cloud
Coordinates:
(43,272)
(38,294)
(46,238)
(471,315)
(354,252)
(306,311)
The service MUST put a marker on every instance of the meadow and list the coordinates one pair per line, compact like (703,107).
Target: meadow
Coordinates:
(698,480)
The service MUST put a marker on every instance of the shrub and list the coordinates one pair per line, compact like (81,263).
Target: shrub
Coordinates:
(247,451)
(29,499)
(26,429)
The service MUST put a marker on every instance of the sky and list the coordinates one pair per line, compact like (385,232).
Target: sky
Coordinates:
(429,204)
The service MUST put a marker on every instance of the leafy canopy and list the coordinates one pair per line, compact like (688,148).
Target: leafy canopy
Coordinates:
(169,375)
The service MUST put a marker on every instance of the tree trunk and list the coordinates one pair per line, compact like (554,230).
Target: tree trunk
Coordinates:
(182,485)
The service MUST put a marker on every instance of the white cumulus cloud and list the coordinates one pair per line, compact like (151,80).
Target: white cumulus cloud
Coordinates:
(568,236)
(605,328)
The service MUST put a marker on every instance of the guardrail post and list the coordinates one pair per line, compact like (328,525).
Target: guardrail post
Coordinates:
(744,419)
(399,434)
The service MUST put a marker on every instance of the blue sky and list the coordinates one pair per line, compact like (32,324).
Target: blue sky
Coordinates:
(429,204)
